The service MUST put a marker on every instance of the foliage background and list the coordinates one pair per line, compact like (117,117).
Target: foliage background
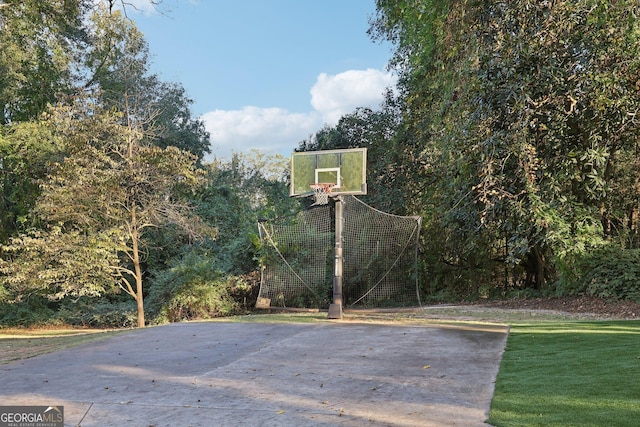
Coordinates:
(513,133)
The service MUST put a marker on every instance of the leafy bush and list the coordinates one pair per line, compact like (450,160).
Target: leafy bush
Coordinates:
(191,289)
(99,313)
(244,289)
(34,311)
(608,272)
(5,295)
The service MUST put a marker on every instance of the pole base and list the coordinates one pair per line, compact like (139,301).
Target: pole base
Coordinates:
(335,311)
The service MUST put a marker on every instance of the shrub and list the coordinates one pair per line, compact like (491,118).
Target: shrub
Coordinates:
(613,273)
(244,289)
(191,289)
(99,313)
(35,311)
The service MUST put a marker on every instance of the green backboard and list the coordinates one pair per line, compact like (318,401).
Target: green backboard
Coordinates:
(347,169)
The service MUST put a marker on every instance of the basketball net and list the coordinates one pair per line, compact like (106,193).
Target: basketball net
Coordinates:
(321,192)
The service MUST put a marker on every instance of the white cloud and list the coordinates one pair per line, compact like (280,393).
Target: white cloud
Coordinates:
(335,96)
(276,130)
(271,130)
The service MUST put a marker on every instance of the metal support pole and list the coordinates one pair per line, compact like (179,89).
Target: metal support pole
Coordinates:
(335,309)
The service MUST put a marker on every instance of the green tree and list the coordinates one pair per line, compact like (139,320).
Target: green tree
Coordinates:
(524,118)
(118,68)
(561,109)
(26,151)
(51,50)
(237,193)
(39,42)
(58,262)
(111,188)
(63,180)
(173,125)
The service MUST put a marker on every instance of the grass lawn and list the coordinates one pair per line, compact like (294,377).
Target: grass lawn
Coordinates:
(569,374)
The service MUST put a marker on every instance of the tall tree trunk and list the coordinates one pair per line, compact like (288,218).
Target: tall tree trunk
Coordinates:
(535,266)
(139,297)
(136,267)
(605,217)
(540,267)
(634,207)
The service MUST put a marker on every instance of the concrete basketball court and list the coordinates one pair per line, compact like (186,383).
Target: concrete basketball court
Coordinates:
(264,374)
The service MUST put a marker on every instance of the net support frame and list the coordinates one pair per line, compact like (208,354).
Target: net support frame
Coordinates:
(379,269)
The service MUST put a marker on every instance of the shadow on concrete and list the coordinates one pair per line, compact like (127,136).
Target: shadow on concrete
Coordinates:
(240,374)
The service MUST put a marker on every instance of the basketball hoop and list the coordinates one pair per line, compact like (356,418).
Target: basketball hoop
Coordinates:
(321,192)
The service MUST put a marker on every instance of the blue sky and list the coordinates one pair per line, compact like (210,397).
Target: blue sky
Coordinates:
(266,74)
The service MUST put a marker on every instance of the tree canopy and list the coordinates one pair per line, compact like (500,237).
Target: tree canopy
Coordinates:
(513,133)
(525,113)
(94,159)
